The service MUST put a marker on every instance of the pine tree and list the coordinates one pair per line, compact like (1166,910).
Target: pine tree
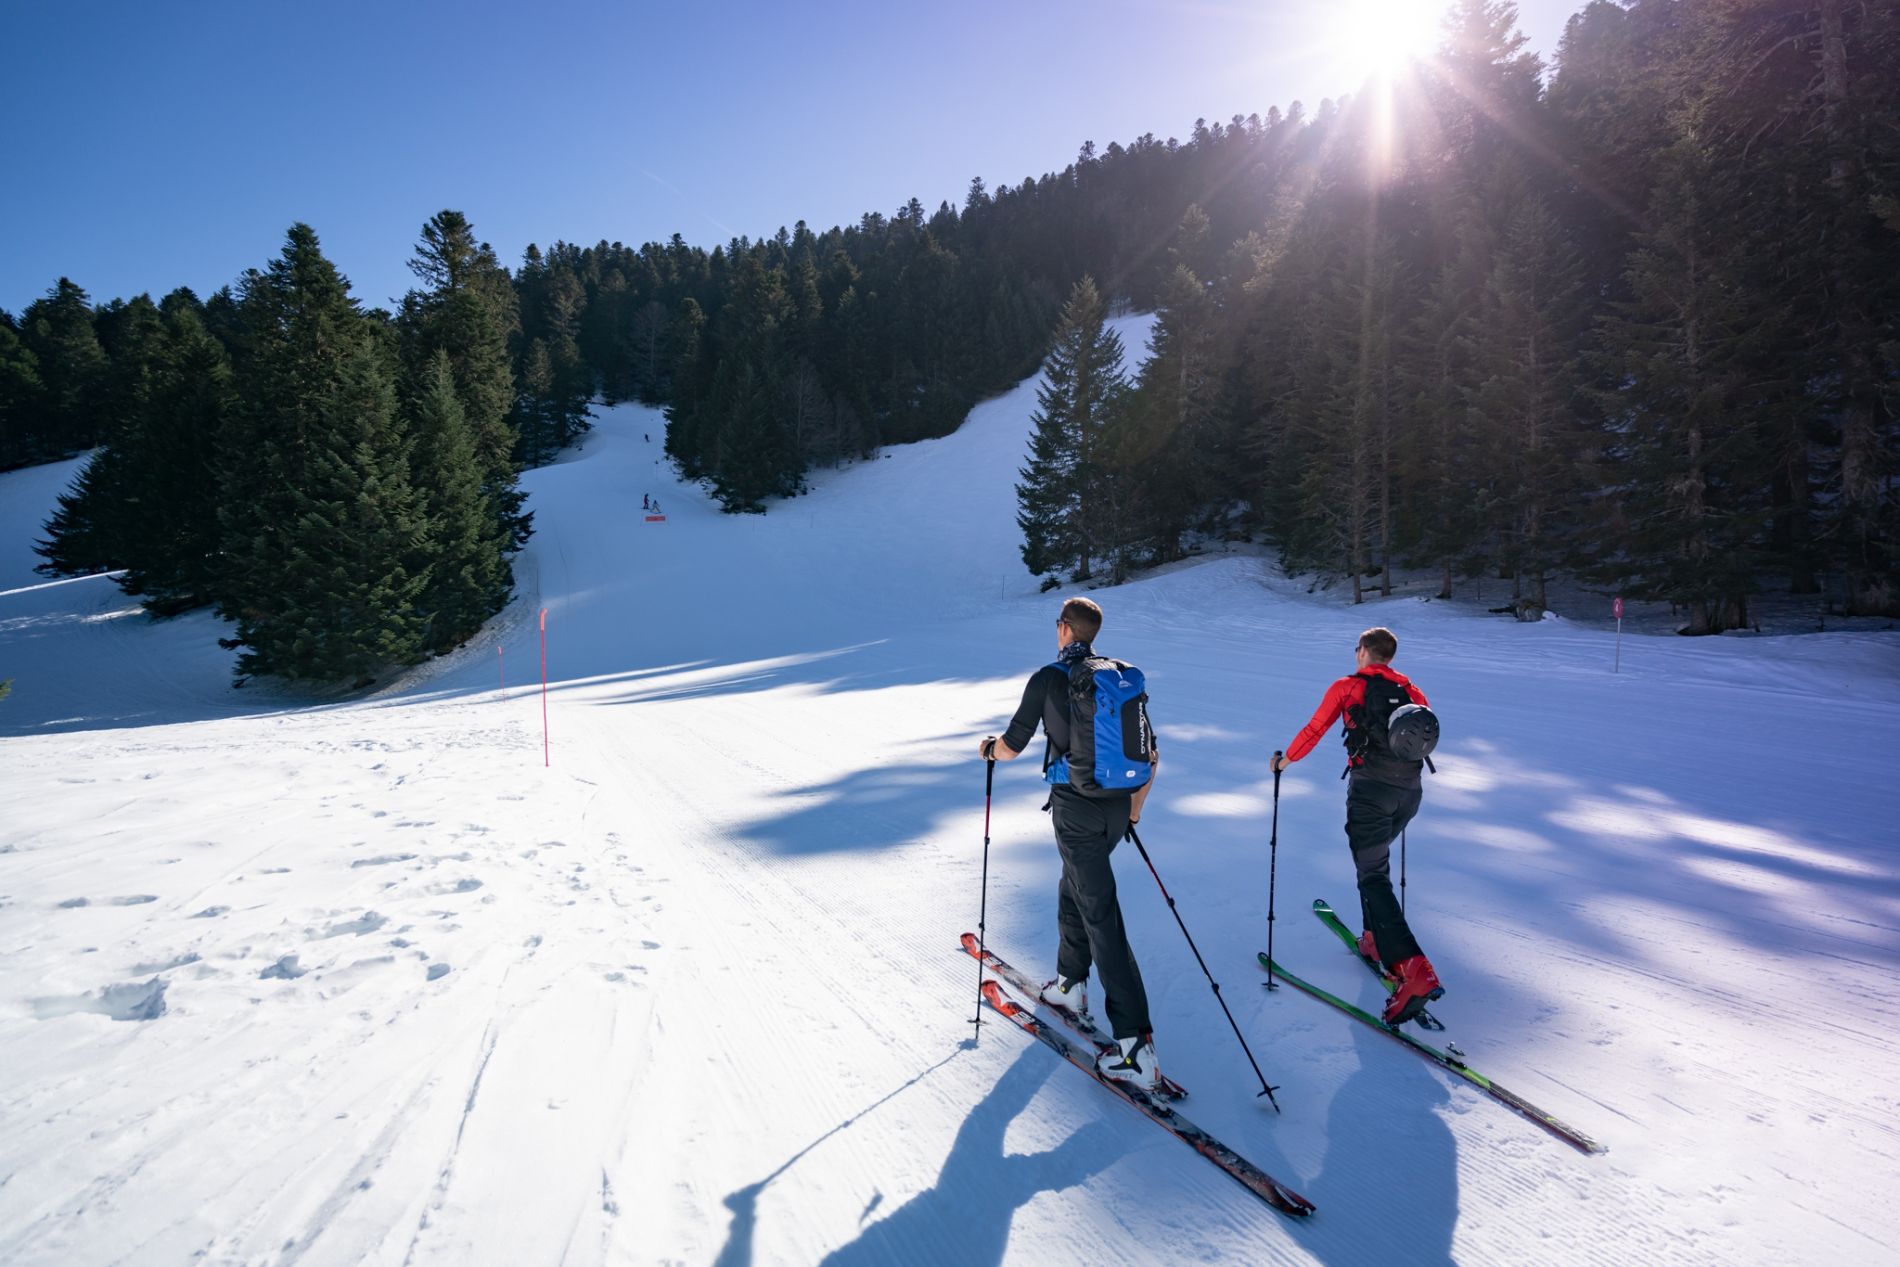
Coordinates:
(1048,494)
(87,530)
(468,310)
(321,525)
(1327,387)
(1440,449)
(73,370)
(20,392)
(535,425)
(566,409)
(174,527)
(1169,463)
(129,332)
(686,367)
(1688,510)
(1067,496)
(468,573)
(750,455)
(1528,399)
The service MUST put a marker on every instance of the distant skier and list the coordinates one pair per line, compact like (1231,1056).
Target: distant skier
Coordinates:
(647,437)
(1381,798)
(644,504)
(1088,827)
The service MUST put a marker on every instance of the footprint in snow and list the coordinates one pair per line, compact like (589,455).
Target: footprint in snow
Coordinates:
(285,969)
(437,971)
(368,922)
(382,860)
(127,1001)
(136,899)
(211,912)
(336,981)
(467,884)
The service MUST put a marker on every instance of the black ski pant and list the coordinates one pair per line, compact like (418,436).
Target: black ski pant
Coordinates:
(1088,916)
(1375,815)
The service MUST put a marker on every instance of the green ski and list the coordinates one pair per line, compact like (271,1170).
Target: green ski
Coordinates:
(1450,1058)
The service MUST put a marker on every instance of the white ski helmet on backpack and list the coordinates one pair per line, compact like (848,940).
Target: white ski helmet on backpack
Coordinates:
(1412,732)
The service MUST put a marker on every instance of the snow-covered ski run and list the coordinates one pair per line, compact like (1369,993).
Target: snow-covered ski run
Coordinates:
(336,981)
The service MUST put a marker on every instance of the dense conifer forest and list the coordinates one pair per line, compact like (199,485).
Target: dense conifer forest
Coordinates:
(1632,318)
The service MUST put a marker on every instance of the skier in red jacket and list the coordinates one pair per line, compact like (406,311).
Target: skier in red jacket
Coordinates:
(1381,798)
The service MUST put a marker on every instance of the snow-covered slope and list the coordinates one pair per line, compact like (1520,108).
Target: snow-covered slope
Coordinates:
(286,980)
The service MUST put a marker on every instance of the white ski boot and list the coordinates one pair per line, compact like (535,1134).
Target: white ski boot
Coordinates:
(1070,996)
(1135,1062)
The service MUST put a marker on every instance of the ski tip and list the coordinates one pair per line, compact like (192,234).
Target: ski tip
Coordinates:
(1321,904)
(994,996)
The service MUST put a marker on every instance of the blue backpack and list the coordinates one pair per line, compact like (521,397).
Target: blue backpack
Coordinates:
(1111,746)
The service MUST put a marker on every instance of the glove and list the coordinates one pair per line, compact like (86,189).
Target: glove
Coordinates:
(988,748)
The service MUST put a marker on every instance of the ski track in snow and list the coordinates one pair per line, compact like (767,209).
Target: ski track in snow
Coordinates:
(299,979)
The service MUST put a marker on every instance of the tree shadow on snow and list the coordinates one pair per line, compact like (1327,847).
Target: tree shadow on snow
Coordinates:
(875,807)
(1532,849)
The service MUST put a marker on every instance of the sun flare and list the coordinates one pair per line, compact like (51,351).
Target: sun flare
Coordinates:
(1385,36)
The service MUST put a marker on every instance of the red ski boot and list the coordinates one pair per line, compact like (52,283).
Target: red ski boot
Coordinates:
(1418,985)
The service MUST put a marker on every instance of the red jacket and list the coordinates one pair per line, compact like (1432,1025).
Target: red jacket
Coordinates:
(1347,692)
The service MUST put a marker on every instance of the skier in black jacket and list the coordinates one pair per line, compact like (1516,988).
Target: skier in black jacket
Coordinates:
(1088,915)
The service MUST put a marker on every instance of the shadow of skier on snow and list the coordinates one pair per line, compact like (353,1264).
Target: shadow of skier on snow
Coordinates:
(1391,1168)
(965,1218)
(744,1203)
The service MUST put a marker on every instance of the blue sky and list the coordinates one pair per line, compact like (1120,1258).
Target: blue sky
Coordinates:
(152,145)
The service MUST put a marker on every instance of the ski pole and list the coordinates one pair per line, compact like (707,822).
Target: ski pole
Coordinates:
(1264,1088)
(1401,871)
(1273,867)
(983,907)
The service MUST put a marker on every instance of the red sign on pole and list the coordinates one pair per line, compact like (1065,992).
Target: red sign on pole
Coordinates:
(1616,608)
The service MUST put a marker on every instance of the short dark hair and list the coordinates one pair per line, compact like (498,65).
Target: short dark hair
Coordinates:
(1380,643)
(1084,617)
